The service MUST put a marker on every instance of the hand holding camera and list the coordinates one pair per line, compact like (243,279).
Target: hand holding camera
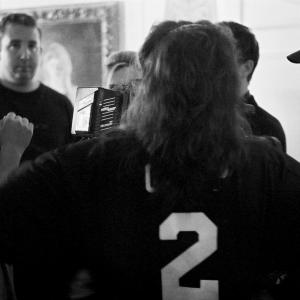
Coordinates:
(98,109)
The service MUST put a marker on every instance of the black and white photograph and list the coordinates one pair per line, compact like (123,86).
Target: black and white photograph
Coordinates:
(149,149)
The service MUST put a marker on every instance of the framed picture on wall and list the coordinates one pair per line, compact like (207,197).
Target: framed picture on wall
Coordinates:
(76,41)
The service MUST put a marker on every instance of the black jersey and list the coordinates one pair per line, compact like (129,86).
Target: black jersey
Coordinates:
(90,211)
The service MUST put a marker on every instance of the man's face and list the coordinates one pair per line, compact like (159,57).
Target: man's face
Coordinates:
(20,51)
(244,69)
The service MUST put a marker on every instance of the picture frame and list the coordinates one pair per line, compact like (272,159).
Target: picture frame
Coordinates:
(76,40)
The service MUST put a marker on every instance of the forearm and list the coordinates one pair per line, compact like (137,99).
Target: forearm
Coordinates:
(10,158)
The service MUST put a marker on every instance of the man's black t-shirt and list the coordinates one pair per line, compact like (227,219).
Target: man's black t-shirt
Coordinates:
(49,111)
(89,207)
(263,123)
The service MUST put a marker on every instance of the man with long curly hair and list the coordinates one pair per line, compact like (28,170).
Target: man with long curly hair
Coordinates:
(176,204)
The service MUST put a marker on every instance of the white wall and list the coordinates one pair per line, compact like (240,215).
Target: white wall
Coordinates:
(275,83)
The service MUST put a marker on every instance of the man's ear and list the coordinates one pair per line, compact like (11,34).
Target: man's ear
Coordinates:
(247,68)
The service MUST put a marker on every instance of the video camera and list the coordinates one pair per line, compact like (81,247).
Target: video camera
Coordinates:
(97,109)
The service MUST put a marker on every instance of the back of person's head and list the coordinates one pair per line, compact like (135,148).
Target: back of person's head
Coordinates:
(186,110)
(246,43)
(17,19)
(157,33)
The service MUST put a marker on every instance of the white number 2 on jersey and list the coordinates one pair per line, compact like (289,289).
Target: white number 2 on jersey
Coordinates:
(194,255)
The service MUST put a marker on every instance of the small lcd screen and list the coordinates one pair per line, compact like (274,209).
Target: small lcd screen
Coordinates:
(82,109)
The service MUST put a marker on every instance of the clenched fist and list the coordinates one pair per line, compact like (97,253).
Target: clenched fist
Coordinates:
(15,132)
(15,136)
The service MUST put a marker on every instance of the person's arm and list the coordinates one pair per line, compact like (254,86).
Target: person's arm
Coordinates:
(15,136)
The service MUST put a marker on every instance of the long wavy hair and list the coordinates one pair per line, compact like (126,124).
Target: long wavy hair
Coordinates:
(186,112)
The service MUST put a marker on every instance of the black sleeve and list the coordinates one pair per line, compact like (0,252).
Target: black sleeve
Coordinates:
(30,202)
(41,202)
